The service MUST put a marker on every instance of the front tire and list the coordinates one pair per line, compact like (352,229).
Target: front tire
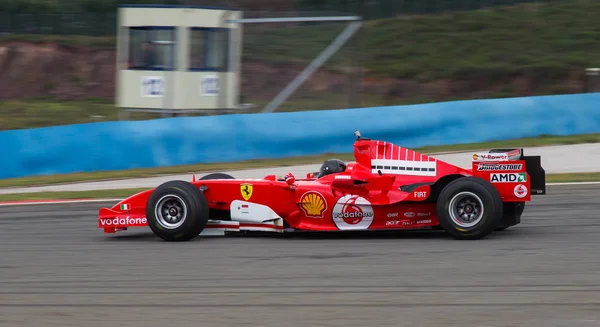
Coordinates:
(469,208)
(216,176)
(177,211)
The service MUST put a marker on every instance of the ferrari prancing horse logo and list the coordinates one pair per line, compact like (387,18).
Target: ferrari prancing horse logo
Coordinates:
(246,190)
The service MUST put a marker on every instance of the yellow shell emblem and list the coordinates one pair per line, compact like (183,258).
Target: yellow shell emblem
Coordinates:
(313,204)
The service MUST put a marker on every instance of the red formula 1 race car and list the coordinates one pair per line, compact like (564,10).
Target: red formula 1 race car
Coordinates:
(388,187)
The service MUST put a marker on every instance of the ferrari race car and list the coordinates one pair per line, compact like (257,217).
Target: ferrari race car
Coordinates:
(388,187)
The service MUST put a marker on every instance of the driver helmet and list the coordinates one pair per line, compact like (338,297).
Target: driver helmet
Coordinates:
(331,166)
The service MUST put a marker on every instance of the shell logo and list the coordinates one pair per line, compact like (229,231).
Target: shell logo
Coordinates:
(313,204)
(475,156)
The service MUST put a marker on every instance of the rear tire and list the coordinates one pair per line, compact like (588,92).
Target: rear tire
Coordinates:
(177,211)
(469,208)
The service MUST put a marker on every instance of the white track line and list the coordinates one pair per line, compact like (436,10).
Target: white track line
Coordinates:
(35,202)
(572,183)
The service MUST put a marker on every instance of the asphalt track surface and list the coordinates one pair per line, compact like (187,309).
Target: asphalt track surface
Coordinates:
(57,269)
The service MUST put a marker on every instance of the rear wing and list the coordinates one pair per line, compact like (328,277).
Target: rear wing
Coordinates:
(511,160)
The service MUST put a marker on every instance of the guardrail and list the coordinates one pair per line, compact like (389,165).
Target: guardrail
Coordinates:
(193,140)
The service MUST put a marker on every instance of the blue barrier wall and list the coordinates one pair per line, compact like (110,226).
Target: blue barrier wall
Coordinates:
(191,140)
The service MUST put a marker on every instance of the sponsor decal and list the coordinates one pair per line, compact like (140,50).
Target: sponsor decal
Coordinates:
(508,178)
(125,206)
(123,221)
(490,156)
(410,222)
(246,190)
(415,167)
(398,223)
(420,195)
(392,215)
(496,167)
(343,177)
(313,204)
(153,86)
(520,191)
(352,212)
(210,85)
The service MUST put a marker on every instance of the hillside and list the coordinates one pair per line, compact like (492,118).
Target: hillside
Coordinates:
(510,51)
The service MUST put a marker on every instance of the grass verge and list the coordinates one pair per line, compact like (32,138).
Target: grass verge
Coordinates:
(43,112)
(100,194)
(123,193)
(18,114)
(87,41)
(138,173)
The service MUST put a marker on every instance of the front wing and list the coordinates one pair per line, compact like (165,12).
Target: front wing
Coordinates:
(113,221)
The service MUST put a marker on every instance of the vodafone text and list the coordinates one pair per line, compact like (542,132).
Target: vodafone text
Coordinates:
(123,221)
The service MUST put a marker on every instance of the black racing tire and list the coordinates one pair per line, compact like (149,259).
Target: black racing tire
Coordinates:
(487,211)
(217,176)
(519,211)
(178,199)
